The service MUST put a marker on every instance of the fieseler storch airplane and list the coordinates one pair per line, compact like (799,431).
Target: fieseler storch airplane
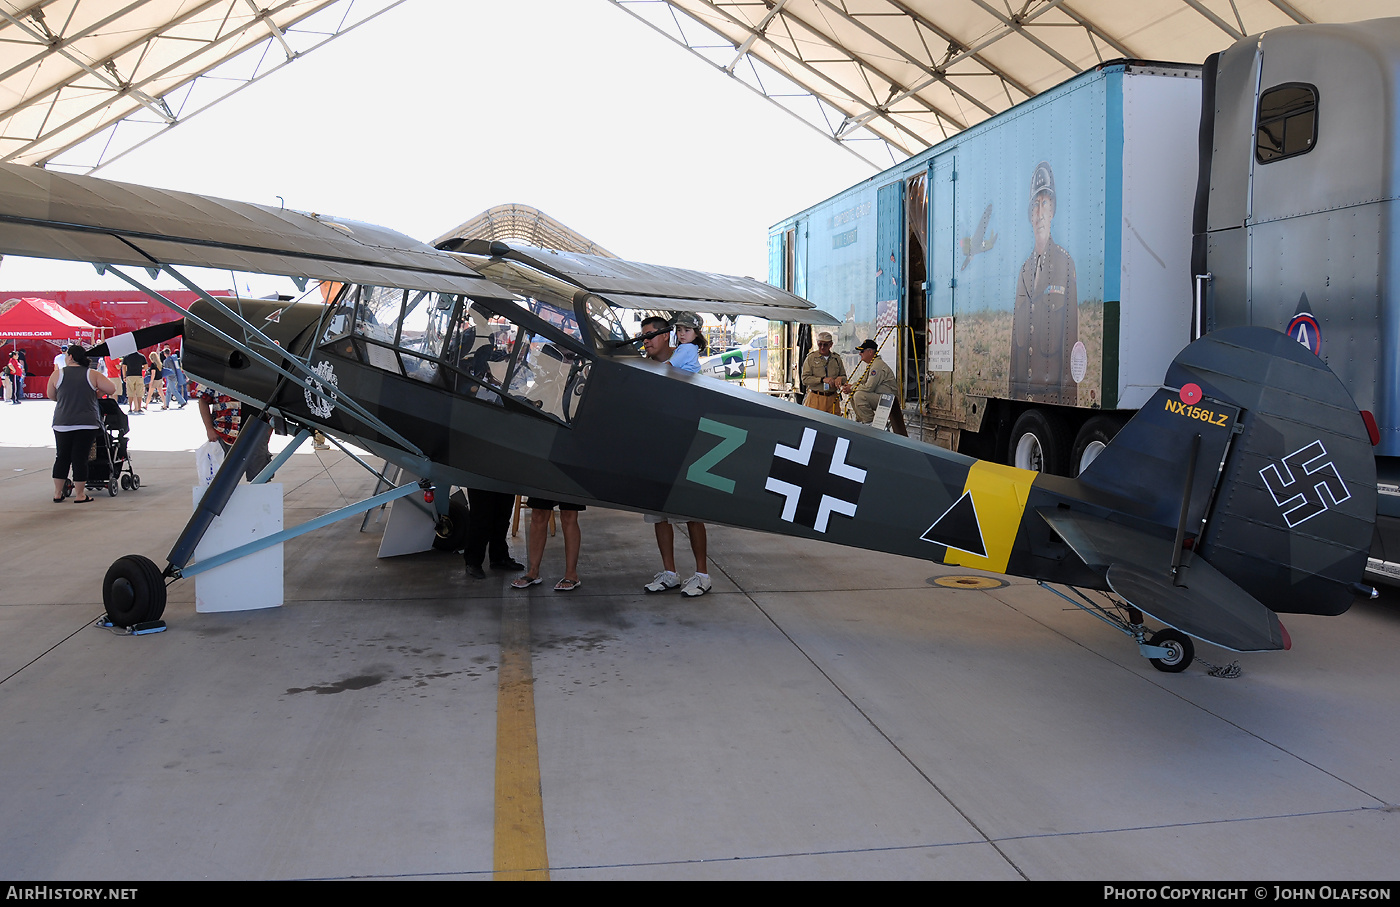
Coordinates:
(1245,487)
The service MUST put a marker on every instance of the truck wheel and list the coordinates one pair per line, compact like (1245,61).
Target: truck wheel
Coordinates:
(1092,439)
(1037,443)
(133,591)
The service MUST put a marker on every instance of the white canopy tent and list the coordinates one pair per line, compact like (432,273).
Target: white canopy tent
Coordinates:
(84,81)
(888,78)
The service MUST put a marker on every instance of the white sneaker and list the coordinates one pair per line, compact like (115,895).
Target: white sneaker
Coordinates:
(698,584)
(662,581)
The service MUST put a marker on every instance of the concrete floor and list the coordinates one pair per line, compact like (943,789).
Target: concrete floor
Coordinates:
(823,713)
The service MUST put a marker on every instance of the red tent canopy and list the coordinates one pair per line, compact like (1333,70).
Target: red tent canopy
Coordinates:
(42,319)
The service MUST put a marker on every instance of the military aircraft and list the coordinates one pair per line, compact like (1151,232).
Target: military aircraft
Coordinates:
(1245,486)
(975,244)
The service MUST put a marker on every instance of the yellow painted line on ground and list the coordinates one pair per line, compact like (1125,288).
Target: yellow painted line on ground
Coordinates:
(520,852)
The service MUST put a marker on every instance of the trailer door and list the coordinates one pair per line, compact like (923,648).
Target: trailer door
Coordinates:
(889,254)
(943,210)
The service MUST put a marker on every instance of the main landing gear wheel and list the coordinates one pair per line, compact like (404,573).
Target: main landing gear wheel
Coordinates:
(1182,650)
(452,528)
(133,591)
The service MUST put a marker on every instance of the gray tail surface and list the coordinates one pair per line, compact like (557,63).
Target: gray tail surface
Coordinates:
(1255,457)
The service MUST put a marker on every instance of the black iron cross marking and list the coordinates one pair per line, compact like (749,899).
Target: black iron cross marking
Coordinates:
(1307,484)
(815,480)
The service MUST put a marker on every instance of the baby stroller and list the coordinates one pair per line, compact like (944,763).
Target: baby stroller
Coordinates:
(109,464)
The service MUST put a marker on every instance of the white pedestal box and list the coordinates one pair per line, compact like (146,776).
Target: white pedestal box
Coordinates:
(252,582)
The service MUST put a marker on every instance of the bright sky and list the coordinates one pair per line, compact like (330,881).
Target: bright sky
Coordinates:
(440,109)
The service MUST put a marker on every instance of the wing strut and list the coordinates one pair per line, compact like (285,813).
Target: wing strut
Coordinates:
(307,380)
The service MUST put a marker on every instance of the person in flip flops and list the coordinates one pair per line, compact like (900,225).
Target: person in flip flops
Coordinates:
(76,420)
(539,533)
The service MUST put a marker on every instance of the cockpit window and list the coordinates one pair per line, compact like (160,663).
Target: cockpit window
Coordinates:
(557,315)
(426,318)
(606,325)
(456,343)
(480,352)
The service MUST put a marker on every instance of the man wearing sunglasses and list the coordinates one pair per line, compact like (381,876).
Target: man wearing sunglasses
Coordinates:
(823,373)
(656,344)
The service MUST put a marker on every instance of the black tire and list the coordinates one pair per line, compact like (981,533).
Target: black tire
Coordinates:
(126,482)
(1093,437)
(135,482)
(68,488)
(452,528)
(1182,648)
(112,488)
(133,591)
(1038,443)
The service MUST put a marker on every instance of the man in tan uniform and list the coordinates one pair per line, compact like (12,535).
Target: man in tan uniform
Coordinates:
(823,373)
(876,379)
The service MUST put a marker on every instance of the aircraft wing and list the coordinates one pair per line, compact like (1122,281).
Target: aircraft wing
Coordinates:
(82,218)
(632,285)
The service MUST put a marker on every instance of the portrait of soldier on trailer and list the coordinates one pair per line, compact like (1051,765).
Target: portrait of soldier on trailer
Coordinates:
(1045,324)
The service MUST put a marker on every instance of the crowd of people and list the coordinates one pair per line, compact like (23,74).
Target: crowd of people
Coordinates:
(78,382)
(154,375)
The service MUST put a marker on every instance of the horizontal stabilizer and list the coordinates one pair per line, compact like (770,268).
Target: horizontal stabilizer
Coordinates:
(1206,605)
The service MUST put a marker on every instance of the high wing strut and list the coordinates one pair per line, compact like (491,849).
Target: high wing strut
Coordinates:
(307,378)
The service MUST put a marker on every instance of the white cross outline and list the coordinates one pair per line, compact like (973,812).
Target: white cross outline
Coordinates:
(802,454)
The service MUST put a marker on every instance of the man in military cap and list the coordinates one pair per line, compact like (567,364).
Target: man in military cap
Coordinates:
(1045,324)
(823,373)
(873,381)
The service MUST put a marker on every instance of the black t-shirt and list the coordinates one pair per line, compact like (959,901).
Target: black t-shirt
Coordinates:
(133,364)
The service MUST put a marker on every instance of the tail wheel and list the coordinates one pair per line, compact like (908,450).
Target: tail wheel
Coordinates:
(1182,650)
(133,591)
(1038,443)
(452,527)
(1092,440)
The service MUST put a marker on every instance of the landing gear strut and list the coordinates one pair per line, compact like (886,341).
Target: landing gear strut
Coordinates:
(1169,650)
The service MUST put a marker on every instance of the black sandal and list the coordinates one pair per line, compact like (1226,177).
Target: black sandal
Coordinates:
(86,500)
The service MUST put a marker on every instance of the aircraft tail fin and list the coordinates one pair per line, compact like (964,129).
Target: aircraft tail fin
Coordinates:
(1254,455)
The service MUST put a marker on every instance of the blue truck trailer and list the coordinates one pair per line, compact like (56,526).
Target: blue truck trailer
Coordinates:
(1032,277)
